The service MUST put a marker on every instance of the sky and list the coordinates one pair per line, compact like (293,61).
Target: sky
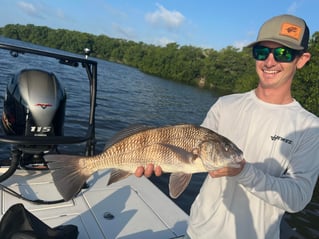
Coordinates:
(203,23)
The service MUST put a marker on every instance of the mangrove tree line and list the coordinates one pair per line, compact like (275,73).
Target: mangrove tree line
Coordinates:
(229,69)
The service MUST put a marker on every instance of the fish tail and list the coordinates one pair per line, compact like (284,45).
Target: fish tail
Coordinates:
(68,175)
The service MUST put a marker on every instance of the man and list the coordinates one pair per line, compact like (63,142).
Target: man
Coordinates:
(279,138)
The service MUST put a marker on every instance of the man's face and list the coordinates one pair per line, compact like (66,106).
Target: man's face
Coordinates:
(273,74)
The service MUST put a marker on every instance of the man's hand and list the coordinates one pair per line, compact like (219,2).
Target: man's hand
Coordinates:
(148,171)
(227,171)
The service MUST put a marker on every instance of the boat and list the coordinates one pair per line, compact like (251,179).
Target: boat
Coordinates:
(32,122)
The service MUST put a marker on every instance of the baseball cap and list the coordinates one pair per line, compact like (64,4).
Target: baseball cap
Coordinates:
(288,30)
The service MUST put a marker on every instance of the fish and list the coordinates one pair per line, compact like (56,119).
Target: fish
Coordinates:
(181,150)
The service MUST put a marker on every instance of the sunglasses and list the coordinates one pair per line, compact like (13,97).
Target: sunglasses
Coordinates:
(281,54)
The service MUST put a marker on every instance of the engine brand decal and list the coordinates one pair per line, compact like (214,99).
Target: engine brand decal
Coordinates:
(43,105)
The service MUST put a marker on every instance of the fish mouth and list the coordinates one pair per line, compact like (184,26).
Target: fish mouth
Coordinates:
(238,158)
(235,160)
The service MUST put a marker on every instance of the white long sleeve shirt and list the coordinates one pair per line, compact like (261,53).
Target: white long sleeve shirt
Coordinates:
(281,147)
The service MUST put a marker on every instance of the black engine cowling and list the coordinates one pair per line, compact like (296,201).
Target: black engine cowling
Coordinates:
(34,105)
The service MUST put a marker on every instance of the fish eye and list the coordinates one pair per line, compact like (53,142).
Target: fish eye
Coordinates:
(226,147)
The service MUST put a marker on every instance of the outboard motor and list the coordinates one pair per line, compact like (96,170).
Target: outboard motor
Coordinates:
(34,105)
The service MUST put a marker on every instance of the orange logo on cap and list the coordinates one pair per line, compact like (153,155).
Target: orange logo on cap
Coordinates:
(290,30)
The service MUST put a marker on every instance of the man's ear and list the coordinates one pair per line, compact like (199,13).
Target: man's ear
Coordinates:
(303,59)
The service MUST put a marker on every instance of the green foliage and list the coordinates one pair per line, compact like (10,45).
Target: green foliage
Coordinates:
(229,69)
(305,87)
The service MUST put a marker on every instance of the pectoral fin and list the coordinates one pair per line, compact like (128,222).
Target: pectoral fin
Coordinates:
(178,183)
(182,154)
(117,175)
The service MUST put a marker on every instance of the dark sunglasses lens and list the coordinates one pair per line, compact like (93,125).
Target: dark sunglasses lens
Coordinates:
(260,53)
(283,54)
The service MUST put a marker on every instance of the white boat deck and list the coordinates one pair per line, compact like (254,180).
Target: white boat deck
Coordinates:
(139,208)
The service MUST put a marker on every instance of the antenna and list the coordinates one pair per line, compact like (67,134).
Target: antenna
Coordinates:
(87,52)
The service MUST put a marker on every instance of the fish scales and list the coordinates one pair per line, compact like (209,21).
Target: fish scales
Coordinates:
(155,154)
(179,149)
(138,150)
(142,140)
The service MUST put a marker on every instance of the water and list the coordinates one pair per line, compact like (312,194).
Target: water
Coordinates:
(128,96)
(125,96)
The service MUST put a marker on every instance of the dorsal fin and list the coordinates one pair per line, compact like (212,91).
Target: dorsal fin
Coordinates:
(133,129)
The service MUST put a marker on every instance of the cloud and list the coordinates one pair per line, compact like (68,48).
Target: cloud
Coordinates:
(293,7)
(163,41)
(241,44)
(60,14)
(165,18)
(30,9)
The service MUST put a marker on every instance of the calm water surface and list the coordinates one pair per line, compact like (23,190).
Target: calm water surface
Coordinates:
(125,96)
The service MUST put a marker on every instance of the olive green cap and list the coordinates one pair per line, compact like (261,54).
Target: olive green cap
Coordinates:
(287,30)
